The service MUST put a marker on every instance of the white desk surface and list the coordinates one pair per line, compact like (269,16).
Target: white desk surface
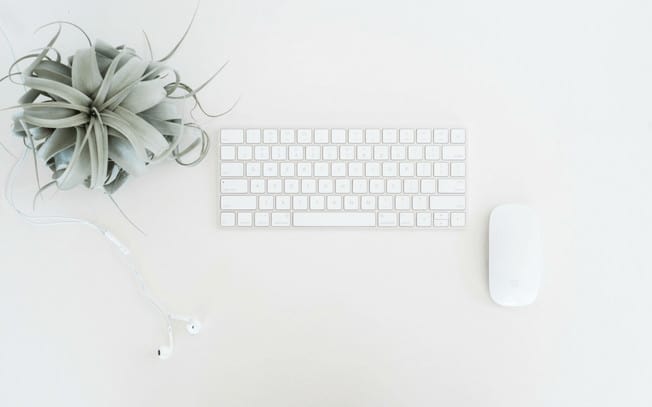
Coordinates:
(557,99)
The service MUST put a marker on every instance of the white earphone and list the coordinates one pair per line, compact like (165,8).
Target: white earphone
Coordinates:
(193,326)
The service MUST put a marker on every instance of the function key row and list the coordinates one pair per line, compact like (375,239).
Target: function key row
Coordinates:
(342,136)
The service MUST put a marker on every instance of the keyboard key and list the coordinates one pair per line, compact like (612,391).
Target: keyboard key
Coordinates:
(257,186)
(454,152)
(291,186)
(406,169)
(304,136)
(334,202)
(385,202)
(295,152)
(232,170)
(270,169)
(451,186)
(411,186)
(372,136)
(253,170)
(442,216)
(424,136)
(428,186)
(253,136)
(390,169)
(347,153)
(356,170)
(245,153)
(415,153)
(313,153)
(381,153)
(371,169)
(441,169)
(233,186)
(245,219)
(420,202)
(343,186)
(338,169)
(227,153)
(227,219)
(261,219)
(330,152)
(406,219)
(433,152)
(458,136)
(283,203)
(394,186)
(321,169)
(377,186)
(304,169)
(231,136)
(359,186)
(368,202)
(364,153)
(270,136)
(406,136)
(458,219)
(424,170)
(322,219)
(238,202)
(261,152)
(338,136)
(350,202)
(316,202)
(287,136)
(287,169)
(281,219)
(300,202)
(386,219)
(398,153)
(274,186)
(458,169)
(266,202)
(424,219)
(441,136)
(441,223)
(321,136)
(390,136)
(279,153)
(447,202)
(325,186)
(355,136)
(308,186)
(402,202)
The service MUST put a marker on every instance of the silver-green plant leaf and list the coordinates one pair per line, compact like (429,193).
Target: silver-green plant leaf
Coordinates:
(103,115)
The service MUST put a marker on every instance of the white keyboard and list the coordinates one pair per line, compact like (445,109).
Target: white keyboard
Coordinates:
(402,178)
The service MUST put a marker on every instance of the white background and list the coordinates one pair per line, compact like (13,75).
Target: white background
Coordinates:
(557,100)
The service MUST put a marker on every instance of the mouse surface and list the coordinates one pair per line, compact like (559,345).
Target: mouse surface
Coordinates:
(515,255)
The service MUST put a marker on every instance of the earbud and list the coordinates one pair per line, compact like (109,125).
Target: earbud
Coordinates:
(193,327)
(164,352)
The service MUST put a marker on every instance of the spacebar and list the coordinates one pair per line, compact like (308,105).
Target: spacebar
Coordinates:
(334,219)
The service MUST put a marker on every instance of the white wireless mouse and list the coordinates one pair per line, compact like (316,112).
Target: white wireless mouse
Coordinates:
(515,255)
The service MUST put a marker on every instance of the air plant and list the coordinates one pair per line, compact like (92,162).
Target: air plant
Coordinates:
(104,114)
